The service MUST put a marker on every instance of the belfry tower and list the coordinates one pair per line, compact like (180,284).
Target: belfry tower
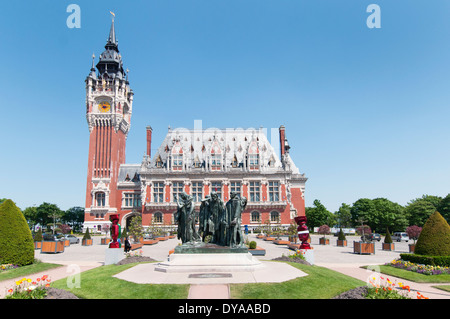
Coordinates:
(109,102)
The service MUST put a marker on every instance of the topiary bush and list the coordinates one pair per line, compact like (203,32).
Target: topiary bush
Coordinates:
(16,241)
(341,235)
(434,240)
(38,235)
(388,238)
(86,234)
(252,245)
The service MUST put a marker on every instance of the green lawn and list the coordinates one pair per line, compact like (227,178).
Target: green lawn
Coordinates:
(26,271)
(99,283)
(413,276)
(321,283)
(443,287)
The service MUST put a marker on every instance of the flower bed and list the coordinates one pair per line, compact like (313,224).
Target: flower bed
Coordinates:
(29,289)
(5,267)
(419,268)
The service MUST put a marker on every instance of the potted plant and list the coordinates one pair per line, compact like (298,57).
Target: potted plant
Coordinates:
(87,240)
(255,250)
(413,233)
(324,230)
(388,244)
(105,240)
(38,239)
(364,246)
(341,241)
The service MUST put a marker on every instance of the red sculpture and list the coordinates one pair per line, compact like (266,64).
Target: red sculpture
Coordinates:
(303,232)
(115,231)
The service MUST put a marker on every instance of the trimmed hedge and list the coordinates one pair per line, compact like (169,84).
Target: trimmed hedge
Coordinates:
(434,240)
(252,245)
(16,241)
(427,260)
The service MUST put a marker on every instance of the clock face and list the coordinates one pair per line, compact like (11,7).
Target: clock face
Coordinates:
(104,106)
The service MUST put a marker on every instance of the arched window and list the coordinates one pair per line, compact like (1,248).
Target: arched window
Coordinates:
(274,217)
(255,217)
(158,218)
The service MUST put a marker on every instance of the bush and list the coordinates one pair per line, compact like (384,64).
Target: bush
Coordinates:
(434,240)
(414,232)
(86,234)
(16,241)
(252,245)
(427,260)
(38,235)
(387,238)
(341,235)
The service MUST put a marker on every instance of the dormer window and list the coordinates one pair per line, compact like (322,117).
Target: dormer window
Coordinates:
(253,156)
(177,157)
(159,162)
(216,157)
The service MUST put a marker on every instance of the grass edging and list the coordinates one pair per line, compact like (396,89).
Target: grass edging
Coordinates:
(99,283)
(413,276)
(321,283)
(27,270)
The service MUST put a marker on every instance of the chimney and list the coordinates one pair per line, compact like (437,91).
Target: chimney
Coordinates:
(149,140)
(282,140)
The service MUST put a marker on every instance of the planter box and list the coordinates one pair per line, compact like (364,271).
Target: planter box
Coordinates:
(37,244)
(136,246)
(388,247)
(52,247)
(172,236)
(260,236)
(150,241)
(294,246)
(293,239)
(162,238)
(324,241)
(67,243)
(258,251)
(281,242)
(269,238)
(363,248)
(105,241)
(411,248)
(341,243)
(86,242)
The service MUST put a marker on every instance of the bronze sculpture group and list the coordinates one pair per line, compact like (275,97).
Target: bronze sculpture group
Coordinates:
(218,222)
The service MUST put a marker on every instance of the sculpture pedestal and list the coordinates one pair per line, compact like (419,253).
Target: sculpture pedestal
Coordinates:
(201,257)
(308,254)
(113,255)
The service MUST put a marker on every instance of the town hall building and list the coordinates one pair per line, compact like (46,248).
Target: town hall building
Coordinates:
(196,161)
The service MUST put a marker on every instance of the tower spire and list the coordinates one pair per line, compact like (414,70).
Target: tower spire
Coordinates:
(112,32)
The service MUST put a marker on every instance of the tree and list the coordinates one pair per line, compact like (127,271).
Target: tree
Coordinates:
(74,217)
(16,241)
(363,209)
(319,215)
(388,238)
(414,232)
(418,211)
(444,208)
(344,216)
(47,213)
(388,214)
(434,240)
(30,214)
(136,229)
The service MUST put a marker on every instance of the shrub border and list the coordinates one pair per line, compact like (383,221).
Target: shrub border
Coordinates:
(427,260)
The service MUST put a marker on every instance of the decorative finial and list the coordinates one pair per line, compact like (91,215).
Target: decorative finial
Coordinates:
(112,13)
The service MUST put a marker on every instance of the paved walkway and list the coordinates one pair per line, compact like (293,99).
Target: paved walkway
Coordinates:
(77,258)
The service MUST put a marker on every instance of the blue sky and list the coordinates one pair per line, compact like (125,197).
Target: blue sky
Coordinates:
(366,111)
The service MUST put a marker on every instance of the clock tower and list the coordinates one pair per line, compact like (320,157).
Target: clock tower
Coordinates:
(109,102)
